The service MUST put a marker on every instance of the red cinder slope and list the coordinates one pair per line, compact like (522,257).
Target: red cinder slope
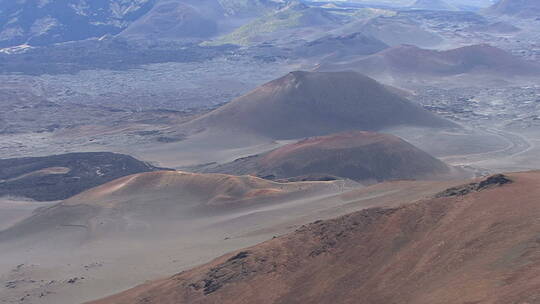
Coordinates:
(354,155)
(476,244)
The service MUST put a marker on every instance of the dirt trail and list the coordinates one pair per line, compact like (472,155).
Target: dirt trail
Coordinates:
(517,145)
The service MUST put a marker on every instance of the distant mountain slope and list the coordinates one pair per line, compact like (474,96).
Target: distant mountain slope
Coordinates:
(479,246)
(436,5)
(361,156)
(339,46)
(411,60)
(184,19)
(518,8)
(499,27)
(303,104)
(471,4)
(173,19)
(396,31)
(45,22)
(296,20)
(250,8)
(59,177)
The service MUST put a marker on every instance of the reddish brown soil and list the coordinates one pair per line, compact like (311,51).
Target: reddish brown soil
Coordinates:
(336,141)
(357,155)
(481,247)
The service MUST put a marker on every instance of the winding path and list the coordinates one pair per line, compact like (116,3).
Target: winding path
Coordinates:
(517,144)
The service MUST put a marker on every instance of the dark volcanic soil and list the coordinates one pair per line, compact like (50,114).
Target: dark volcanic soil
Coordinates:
(58,177)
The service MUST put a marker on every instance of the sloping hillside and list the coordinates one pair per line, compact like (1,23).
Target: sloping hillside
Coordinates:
(46,22)
(339,46)
(157,198)
(414,61)
(303,104)
(294,21)
(518,8)
(395,31)
(437,5)
(174,19)
(362,156)
(151,225)
(250,8)
(474,246)
(197,19)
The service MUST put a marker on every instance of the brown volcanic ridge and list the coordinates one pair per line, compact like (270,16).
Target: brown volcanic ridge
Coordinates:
(519,8)
(476,244)
(409,60)
(303,104)
(357,155)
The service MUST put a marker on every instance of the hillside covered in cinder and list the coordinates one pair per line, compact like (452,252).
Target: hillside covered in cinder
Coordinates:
(303,104)
(477,243)
(157,199)
(357,155)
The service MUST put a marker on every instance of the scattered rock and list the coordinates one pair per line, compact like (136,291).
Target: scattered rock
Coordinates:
(74,280)
(170,139)
(239,256)
(11,284)
(234,269)
(492,181)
